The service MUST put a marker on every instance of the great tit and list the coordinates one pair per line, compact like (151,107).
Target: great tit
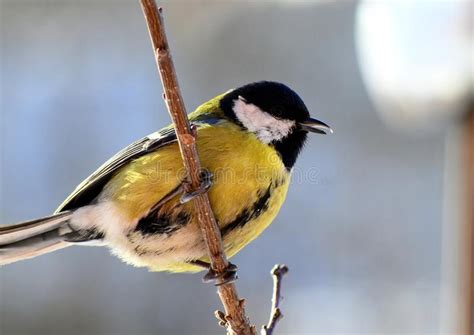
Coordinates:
(248,140)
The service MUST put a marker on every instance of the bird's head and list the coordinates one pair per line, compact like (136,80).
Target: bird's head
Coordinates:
(275,114)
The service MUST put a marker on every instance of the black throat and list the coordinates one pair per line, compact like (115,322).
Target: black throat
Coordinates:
(290,147)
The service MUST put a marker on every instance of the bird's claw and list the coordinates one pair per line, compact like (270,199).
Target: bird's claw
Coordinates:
(228,276)
(205,177)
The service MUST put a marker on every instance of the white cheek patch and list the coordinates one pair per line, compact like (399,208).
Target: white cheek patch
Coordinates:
(264,125)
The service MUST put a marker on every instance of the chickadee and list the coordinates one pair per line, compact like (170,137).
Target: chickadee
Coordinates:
(248,140)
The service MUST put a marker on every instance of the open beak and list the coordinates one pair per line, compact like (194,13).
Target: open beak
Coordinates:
(315,126)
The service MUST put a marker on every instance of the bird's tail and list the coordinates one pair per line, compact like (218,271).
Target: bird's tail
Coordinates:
(33,238)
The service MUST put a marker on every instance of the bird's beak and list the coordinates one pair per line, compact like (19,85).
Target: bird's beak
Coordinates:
(315,126)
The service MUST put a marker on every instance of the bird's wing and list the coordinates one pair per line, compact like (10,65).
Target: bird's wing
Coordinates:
(90,188)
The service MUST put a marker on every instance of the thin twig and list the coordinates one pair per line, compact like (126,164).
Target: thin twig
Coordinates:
(277,272)
(236,321)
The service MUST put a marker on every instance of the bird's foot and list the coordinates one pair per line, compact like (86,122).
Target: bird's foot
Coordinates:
(228,276)
(206,182)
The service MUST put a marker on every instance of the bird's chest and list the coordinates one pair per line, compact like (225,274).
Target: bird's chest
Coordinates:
(249,186)
(260,210)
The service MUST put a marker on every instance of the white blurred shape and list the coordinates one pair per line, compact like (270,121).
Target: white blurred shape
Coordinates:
(416,58)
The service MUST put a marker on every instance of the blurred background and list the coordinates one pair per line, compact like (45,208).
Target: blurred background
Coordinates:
(377,226)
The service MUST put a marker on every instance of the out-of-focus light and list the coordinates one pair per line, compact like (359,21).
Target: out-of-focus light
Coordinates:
(417,58)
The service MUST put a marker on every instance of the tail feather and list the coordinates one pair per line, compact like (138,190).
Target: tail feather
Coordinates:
(20,231)
(33,238)
(15,255)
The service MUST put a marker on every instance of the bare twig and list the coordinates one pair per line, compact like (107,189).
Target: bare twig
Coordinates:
(277,272)
(234,318)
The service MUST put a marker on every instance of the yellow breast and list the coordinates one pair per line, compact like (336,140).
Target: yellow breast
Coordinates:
(245,171)
(250,183)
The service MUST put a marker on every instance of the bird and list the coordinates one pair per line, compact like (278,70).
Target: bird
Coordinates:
(248,140)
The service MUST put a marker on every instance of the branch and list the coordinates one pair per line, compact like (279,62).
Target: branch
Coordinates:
(236,321)
(277,272)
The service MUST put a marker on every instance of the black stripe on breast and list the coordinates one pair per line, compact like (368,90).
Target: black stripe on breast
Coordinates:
(164,224)
(250,213)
